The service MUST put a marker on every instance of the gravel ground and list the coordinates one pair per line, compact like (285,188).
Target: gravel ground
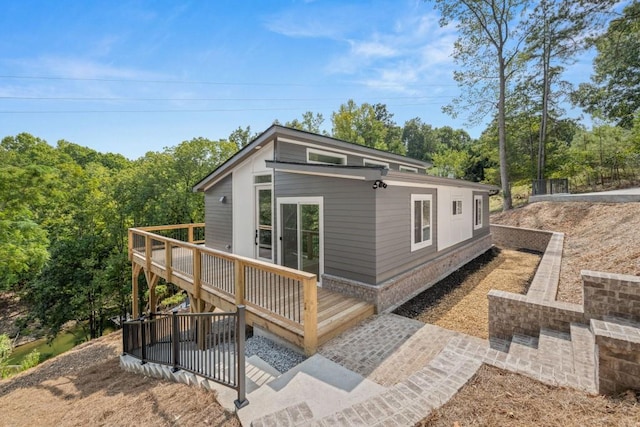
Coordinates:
(281,358)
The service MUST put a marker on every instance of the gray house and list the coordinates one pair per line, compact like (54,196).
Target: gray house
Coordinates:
(368,223)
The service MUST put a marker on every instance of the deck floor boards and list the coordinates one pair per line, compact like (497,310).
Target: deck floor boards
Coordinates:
(336,312)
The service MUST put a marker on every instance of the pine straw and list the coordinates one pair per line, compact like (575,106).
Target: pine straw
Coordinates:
(598,236)
(494,397)
(86,386)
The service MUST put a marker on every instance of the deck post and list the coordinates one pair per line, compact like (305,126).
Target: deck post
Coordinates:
(135,309)
(130,245)
(242,401)
(190,233)
(152,281)
(239,281)
(310,287)
(197,270)
(168,260)
(147,252)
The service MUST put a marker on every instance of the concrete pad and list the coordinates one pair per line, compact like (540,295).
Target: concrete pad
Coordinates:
(325,386)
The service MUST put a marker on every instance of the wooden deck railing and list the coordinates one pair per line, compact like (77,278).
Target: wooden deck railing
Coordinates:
(269,291)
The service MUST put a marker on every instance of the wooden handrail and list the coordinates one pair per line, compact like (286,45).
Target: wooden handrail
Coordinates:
(308,281)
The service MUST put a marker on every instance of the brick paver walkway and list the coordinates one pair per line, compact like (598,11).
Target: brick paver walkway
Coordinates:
(422,366)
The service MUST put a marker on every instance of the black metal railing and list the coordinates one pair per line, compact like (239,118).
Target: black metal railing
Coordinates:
(210,345)
(549,186)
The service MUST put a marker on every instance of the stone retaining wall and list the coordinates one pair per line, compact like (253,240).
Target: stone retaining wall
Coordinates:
(508,237)
(608,294)
(511,314)
(394,292)
(618,355)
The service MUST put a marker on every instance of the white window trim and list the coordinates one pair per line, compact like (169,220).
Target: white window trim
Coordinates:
(424,243)
(453,213)
(478,224)
(326,153)
(338,150)
(255,175)
(404,168)
(374,163)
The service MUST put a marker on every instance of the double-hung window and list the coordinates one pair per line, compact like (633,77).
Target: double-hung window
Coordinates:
(477,212)
(421,221)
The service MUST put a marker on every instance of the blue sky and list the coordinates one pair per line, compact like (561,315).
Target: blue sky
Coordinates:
(137,76)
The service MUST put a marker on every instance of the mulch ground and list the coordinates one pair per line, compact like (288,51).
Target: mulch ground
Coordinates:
(459,301)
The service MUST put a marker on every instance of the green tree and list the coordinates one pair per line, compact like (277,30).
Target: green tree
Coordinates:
(486,48)
(368,125)
(557,30)
(241,137)
(613,92)
(310,123)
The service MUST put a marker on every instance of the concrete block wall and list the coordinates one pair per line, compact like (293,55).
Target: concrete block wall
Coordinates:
(396,291)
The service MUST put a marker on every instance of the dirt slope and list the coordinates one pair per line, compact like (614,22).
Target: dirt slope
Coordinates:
(598,236)
(86,386)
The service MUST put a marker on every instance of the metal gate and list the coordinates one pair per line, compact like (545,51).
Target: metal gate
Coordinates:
(210,345)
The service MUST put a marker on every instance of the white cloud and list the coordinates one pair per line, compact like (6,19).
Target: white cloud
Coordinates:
(78,68)
(372,49)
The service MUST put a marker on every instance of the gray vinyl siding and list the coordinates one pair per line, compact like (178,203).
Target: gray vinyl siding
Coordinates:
(287,152)
(485,215)
(349,221)
(218,216)
(393,231)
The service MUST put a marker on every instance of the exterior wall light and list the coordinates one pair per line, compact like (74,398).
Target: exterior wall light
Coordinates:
(379,184)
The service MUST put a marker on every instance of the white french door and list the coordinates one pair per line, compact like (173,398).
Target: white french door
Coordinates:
(300,233)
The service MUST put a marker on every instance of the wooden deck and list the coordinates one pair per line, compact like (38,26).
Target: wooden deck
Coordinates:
(283,301)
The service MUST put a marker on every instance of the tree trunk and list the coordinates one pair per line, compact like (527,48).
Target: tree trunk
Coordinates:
(546,58)
(502,138)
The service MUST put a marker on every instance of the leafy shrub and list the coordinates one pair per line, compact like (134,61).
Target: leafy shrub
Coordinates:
(32,359)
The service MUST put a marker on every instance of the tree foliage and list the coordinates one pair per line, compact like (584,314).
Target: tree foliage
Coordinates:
(556,31)
(486,49)
(614,92)
(368,125)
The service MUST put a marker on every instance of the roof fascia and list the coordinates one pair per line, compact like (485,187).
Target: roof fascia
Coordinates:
(350,172)
(413,178)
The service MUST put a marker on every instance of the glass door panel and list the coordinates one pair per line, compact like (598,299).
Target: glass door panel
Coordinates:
(310,239)
(264,239)
(289,213)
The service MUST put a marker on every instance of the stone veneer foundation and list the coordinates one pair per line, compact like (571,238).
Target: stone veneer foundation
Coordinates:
(400,289)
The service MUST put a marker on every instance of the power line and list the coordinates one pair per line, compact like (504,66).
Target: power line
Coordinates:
(64,98)
(196,82)
(203,110)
